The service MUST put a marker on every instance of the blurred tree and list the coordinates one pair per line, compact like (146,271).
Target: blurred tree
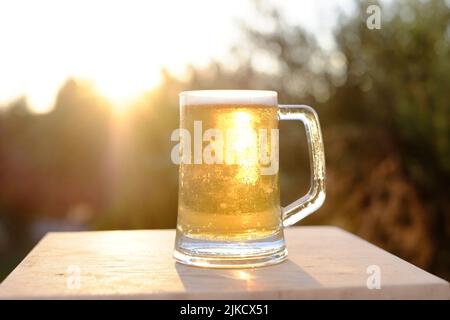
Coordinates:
(382,98)
(51,165)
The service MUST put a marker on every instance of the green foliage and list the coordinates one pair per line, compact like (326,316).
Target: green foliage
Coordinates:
(382,96)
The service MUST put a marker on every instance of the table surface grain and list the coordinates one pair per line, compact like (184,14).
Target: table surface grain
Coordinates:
(323,263)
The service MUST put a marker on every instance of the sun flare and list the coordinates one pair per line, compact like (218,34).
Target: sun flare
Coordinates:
(119,46)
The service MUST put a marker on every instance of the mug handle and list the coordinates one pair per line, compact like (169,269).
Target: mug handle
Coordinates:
(315,197)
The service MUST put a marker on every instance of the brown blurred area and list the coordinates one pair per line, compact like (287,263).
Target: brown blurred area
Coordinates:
(382,97)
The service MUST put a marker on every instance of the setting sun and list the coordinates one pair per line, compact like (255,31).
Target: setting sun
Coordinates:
(119,46)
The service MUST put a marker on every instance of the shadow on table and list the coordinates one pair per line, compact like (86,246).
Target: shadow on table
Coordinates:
(286,275)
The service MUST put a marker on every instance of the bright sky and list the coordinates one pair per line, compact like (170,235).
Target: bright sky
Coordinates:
(121,45)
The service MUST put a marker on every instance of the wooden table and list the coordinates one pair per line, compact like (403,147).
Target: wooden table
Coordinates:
(324,262)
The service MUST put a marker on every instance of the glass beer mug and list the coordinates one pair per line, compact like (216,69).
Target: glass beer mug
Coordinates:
(229,212)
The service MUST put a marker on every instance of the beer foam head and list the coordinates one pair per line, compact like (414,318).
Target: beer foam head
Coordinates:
(214,97)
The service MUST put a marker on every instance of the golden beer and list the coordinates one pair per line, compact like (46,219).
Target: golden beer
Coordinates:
(229,212)
(232,200)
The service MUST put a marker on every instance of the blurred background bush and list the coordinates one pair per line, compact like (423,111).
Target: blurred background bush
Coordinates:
(382,98)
